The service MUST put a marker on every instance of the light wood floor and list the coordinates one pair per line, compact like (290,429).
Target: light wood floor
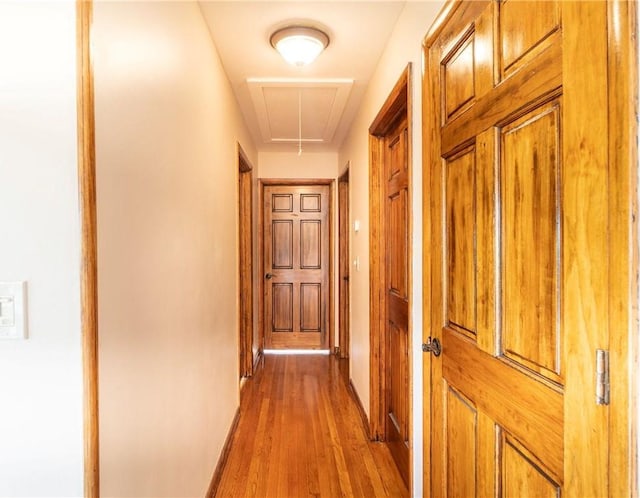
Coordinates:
(300,434)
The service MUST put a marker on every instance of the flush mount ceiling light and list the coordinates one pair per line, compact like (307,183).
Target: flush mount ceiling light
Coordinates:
(299,45)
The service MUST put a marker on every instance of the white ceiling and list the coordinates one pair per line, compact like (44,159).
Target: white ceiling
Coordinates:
(330,90)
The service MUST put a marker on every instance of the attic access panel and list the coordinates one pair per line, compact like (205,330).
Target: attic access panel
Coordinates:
(282,104)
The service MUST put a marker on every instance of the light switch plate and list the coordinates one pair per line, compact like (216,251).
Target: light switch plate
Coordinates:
(13,310)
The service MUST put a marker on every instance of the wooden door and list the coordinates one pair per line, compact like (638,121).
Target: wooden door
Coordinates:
(396,340)
(296,264)
(343,227)
(516,175)
(245,261)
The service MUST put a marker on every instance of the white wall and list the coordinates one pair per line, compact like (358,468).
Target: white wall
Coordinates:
(41,386)
(291,165)
(167,124)
(404,46)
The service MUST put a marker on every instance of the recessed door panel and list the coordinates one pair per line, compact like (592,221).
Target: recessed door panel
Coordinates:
(521,32)
(310,203)
(310,307)
(462,422)
(459,84)
(282,307)
(531,227)
(461,241)
(282,243)
(282,203)
(311,244)
(522,474)
(397,238)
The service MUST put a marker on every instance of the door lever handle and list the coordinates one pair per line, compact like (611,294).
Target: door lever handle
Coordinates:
(268,276)
(432,346)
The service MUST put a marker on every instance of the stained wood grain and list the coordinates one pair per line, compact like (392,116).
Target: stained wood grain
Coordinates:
(526,408)
(397,103)
(245,262)
(565,84)
(344,264)
(517,42)
(494,172)
(89,251)
(300,434)
(623,244)
(297,229)
(585,245)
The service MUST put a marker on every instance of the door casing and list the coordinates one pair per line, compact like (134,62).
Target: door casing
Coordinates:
(88,246)
(261,287)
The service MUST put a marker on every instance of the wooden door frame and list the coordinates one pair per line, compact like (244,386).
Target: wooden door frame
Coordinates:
(343,254)
(399,101)
(622,69)
(245,263)
(622,241)
(287,182)
(88,246)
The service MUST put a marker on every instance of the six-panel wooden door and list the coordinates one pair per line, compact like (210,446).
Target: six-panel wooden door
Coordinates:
(514,262)
(296,264)
(396,175)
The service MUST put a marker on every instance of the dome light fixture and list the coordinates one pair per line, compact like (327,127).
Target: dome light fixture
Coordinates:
(299,45)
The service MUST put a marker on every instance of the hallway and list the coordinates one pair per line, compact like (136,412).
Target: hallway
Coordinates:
(300,434)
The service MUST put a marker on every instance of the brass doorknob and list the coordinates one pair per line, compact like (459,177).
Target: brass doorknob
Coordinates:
(268,276)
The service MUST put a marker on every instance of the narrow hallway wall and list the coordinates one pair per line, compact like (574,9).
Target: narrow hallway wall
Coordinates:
(167,126)
(41,388)
(404,46)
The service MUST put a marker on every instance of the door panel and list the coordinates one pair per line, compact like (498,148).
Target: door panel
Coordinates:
(461,247)
(282,241)
(462,429)
(310,307)
(515,42)
(522,473)
(310,244)
(282,307)
(530,173)
(296,263)
(397,300)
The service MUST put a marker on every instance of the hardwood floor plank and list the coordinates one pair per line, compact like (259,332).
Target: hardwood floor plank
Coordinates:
(300,434)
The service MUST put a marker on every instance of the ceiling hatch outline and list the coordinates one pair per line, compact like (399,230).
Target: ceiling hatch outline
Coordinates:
(275,101)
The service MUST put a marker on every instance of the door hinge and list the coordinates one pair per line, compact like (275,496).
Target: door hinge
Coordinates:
(602,377)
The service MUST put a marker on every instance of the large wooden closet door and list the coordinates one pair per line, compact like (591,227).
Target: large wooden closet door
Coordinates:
(397,293)
(517,193)
(296,262)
